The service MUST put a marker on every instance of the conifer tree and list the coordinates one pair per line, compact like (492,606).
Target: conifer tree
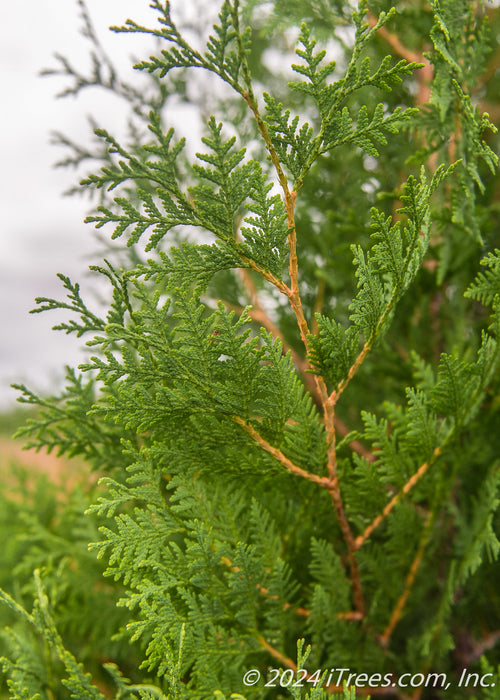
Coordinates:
(292,395)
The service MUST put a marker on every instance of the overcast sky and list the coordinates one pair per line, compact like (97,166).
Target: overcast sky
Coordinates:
(41,232)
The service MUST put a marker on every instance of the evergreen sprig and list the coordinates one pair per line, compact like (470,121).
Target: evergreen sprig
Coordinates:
(298,148)
(223,54)
(89,323)
(486,286)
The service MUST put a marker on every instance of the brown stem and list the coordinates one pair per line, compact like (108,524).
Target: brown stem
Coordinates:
(260,315)
(283,288)
(347,534)
(293,294)
(302,612)
(333,487)
(481,647)
(287,662)
(361,539)
(491,69)
(410,579)
(250,287)
(331,440)
(293,271)
(289,196)
(424,77)
(278,454)
(335,395)
(394,42)
(264,132)
(332,688)
(357,590)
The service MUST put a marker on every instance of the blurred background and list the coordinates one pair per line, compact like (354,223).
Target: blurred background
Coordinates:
(41,231)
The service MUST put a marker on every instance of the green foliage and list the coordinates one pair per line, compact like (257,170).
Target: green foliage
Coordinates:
(291,398)
(299,148)
(486,287)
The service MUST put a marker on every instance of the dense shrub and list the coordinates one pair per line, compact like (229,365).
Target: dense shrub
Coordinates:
(292,398)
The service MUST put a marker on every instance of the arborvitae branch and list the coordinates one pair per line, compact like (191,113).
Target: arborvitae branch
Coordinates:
(361,539)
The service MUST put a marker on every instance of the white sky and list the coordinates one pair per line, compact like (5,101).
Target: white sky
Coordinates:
(41,232)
